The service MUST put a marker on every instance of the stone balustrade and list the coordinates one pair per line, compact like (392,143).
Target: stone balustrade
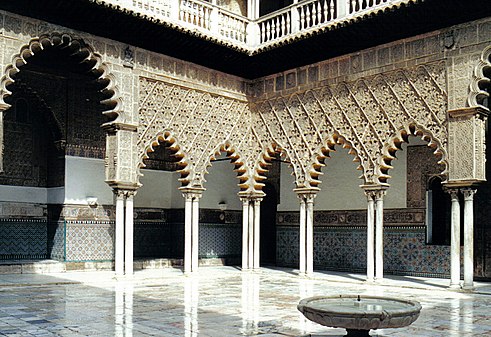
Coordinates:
(214,21)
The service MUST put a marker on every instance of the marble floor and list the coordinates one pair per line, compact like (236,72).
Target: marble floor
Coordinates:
(218,302)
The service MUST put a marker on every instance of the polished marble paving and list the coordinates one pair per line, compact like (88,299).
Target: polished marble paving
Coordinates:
(218,302)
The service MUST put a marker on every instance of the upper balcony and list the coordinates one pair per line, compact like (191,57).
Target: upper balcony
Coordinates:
(285,25)
(251,46)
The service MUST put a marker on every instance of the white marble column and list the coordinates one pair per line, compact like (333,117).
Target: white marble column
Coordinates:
(468,237)
(119,234)
(128,234)
(188,213)
(257,227)
(195,234)
(245,233)
(379,234)
(250,235)
(302,252)
(309,233)
(370,236)
(455,240)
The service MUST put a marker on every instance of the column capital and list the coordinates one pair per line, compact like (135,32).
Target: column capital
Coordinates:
(373,191)
(192,192)
(469,193)
(454,192)
(251,196)
(124,193)
(307,193)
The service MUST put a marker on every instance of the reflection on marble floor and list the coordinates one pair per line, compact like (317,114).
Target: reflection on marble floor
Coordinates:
(214,302)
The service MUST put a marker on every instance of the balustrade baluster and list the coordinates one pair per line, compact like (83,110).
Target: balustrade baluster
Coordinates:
(353,6)
(331,10)
(360,5)
(302,18)
(314,15)
(288,23)
(278,26)
(319,13)
(283,25)
(268,31)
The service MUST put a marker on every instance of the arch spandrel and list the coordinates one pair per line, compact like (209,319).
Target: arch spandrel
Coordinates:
(200,120)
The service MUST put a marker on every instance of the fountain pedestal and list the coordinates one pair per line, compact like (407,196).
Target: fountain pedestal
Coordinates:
(359,314)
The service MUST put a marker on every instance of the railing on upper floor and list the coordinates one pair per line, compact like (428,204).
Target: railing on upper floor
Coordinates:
(210,19)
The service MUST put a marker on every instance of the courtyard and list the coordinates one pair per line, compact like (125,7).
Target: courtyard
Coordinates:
(219,302)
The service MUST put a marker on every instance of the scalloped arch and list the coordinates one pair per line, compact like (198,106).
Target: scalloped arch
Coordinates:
(261,166)
(80,50)
(393,144)
(327,146)
(481,79)
(167,138)
(236,159)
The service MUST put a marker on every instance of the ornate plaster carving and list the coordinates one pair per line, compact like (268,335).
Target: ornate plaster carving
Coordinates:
(197,125)
(371,116)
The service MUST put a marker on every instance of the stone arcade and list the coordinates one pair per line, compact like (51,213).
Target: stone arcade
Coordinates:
(122,134)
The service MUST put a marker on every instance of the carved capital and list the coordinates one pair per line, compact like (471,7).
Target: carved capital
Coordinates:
(454,193)
(306,194)
(469,193)
(191,193)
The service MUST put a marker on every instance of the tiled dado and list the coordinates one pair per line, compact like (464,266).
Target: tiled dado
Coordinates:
(339,244)
(23,239)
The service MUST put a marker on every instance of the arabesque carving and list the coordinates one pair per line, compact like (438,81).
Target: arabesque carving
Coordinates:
(371,116)
(197,125)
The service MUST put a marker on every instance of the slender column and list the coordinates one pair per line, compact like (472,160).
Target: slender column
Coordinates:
(257,220)
(379,234)
(302,267)
(455,240)
(251,235)
(128,235)
(188,213)
(310,234)
(195,234)
(468,238)
(119,234)
(245,233)
(370,236)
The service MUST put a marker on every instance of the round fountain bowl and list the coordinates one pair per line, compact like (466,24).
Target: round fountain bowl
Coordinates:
(354,312)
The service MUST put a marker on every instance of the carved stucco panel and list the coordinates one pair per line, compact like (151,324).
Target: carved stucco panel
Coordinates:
(365,115)
(200,123)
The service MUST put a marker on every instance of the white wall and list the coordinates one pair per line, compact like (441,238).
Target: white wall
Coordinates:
(158,190)
(221,186)
(84,177)
(340,188)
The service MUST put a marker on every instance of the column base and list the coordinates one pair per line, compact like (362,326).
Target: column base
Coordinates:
(468,287)
(455,286)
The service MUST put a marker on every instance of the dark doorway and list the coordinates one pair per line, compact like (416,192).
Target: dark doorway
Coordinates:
(268,226)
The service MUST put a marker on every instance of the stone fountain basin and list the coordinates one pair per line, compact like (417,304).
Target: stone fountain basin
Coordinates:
(360,312)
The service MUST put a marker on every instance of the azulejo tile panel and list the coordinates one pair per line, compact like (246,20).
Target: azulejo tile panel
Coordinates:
(220,240)
(23,239)
(344,248)
(89,240)
(56,240)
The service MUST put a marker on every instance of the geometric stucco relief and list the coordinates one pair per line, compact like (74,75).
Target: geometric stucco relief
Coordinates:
(372,116)
(197,125)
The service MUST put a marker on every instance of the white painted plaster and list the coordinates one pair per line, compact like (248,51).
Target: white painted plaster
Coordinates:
(158,189)
(221,186)
(84,177)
